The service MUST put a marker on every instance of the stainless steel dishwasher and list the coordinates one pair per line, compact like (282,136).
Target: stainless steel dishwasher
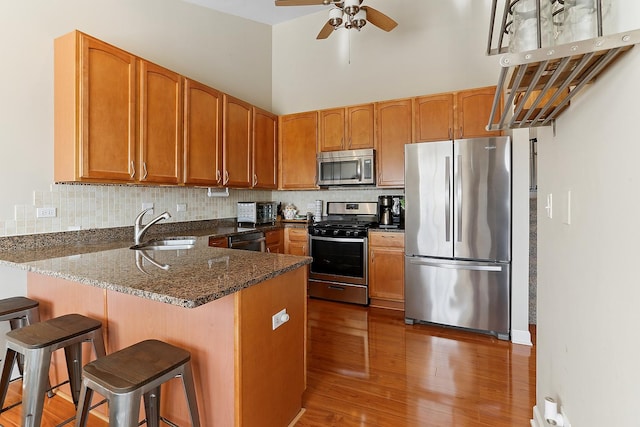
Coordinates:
(254,241)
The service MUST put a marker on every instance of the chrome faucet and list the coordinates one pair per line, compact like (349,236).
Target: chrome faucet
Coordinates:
(139,230)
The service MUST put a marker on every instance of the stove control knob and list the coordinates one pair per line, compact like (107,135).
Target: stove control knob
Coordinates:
(323,232)
(348,233)
(336,232)
(356,233)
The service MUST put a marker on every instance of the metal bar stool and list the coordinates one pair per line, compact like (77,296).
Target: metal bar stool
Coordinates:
(36,343)
(137,371)
(19,312)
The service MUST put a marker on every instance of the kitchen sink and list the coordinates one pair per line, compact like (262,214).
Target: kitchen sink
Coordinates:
(167,244)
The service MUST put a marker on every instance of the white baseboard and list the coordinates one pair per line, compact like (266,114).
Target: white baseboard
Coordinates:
(537,420)
(521,337)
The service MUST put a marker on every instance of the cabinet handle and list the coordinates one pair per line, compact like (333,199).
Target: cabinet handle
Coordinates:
(372,257)
(450,133)
(226,177)
(255,179)
(218,176)
(460,131)
(132,169)
(144,170)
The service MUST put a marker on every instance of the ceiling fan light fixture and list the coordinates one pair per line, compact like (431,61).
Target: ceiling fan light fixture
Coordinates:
(360,19)
(351,7)
(335,17)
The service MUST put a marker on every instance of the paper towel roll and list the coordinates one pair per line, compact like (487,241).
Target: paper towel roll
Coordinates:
(550,409)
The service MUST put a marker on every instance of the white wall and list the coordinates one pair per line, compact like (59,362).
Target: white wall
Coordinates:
(438,46)
(587,271)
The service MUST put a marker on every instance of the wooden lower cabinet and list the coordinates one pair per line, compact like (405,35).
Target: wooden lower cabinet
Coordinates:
(219,242)
(296,241)
(386,269)
(275,241)
(246,374)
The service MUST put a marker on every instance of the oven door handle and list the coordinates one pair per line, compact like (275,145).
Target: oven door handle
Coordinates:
(339,239)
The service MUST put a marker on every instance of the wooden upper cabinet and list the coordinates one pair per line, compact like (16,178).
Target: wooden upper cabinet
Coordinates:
(160,125)
(360,127)
(473,108)
(95,110)
(394,119)
(202,145)
(350,128)
(237,136)
(433,117)
(265,149)
(331,129)
(297,150)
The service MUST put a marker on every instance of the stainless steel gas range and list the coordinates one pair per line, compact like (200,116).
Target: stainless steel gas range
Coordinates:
(338,246)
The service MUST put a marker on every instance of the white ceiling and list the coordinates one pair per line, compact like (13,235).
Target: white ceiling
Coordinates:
(264,11)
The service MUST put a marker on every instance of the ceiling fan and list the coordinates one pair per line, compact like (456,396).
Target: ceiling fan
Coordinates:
(345,13)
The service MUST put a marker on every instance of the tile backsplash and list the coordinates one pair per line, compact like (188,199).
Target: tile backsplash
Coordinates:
(91,206)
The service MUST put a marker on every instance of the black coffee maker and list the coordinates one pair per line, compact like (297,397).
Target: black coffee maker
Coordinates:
(390,212)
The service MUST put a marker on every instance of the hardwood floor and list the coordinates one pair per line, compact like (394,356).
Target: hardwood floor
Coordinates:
(366,368)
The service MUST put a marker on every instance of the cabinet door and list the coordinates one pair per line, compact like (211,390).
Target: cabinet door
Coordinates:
(106,113)
(394,131)
(360,127)
(202,134)
(296,241)
(433,117)
(297,137)
(237,136)
(275,241)
(331,129)
(160,125)
(265,149)
(386,266)
(473,110)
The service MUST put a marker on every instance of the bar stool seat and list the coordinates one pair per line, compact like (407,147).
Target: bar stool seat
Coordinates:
(136,371)
(36,343)
(19,311)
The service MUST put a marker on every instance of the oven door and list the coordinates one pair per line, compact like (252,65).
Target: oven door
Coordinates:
(339,259)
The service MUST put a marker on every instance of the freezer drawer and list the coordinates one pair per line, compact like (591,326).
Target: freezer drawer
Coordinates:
(466,294)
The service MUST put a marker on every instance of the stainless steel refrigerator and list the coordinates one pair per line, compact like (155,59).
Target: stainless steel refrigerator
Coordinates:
(458,234)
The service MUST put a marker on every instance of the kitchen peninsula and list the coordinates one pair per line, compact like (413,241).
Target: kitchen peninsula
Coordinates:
(217,303)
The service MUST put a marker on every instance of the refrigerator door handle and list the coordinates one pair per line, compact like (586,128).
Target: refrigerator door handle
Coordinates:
(447,203)
(459,198)
(456,266)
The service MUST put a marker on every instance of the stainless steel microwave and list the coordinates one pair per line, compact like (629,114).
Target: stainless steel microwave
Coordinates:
(349,167)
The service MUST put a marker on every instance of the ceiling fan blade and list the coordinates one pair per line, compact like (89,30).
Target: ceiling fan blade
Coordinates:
(379,19)
(325,31)
(299,2)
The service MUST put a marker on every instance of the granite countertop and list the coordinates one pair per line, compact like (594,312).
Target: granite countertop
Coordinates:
(186,277)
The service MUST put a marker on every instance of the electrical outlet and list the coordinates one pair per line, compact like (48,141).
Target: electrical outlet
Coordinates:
(279,319)
(181,207)
(46,213)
